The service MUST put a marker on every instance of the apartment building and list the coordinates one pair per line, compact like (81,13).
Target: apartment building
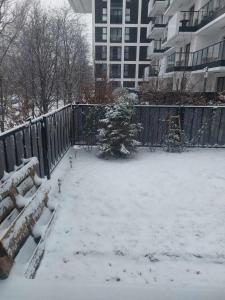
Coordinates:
(187,47)
(120,40)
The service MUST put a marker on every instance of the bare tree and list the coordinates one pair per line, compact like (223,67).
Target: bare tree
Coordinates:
(12,19)
(74,70)
(52,59)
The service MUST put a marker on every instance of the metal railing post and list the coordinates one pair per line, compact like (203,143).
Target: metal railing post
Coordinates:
(45,147)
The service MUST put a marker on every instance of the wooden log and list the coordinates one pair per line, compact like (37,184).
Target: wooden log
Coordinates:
(6,206)
(5,264)
(14,237)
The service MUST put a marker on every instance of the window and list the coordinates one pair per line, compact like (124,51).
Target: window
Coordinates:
(144,53)
(126,71)
(115,71)
(116,12)
(100,70)
(129,71)
(132,11)
(104,34)
(127,16)
(126,53)
(100,52)
(116,35)
(127,34)
(130,35)
(115,84)
(115,53)
(100,34)
(143,38)
(104,14)
(130,53)
(116,15)
(142,70)
(129,84)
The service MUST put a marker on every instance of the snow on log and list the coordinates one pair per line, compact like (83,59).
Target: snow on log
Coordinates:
(6,206)
(15,178)
(23,197)
(19,230)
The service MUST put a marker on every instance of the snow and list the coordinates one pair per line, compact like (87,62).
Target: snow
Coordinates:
(152,221)
(33,211)
(15,178)
(156,222)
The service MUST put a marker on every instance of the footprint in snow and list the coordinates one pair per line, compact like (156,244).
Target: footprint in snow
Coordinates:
(65,260)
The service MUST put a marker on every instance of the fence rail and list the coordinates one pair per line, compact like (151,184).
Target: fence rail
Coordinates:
(204,126)
(50,136)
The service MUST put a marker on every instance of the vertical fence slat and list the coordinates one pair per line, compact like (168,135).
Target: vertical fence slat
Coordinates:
(2,159)
(19,147)
(10,153)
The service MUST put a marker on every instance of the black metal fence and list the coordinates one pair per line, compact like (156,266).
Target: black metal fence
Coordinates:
(47,138)
(50,136)
(204,126)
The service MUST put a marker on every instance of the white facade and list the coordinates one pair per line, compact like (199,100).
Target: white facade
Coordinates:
(192,44)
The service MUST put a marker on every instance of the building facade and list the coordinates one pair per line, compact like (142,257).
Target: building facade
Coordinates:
(187,44)
(120,40)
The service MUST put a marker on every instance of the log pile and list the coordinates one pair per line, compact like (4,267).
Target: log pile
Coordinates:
(23,197)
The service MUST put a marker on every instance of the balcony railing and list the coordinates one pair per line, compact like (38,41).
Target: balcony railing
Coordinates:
(159,21)
(211,57)
(195,20)
(179,61)
(156,6)
(158,46)
(153,71)
(155,48)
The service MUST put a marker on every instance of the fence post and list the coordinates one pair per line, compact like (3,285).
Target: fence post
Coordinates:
(72,125)
(45,147)
(181,113)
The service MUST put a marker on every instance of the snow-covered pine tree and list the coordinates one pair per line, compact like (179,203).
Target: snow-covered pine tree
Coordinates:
(117,137)
(174,139)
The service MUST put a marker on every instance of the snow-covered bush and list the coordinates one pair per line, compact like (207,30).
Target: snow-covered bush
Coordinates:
(174,138)
(117,135)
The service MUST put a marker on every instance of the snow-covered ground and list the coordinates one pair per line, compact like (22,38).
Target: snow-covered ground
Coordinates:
(155,220)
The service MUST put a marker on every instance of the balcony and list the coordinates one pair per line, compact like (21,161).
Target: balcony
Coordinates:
(156,27)
(180,28)
(157,7)
(173,6)
(211,10)
(212,56)
(183,24)
(179,61)
(151,71)
(155,49)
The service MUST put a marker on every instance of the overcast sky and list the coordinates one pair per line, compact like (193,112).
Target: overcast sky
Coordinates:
(86,19)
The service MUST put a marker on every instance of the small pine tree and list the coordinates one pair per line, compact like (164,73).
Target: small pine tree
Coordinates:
(117,137)
(174,138)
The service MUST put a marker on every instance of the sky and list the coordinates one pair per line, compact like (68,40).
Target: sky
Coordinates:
(86,18)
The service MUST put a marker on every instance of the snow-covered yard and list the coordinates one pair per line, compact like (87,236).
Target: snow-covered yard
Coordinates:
(157,219)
